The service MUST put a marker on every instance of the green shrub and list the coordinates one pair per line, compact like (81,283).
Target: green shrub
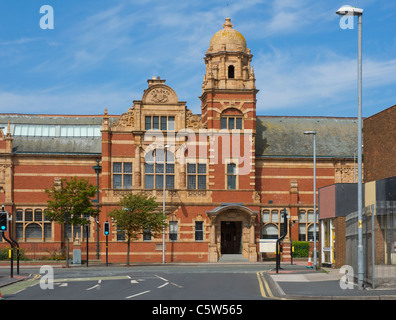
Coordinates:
(301,249)
(4,253)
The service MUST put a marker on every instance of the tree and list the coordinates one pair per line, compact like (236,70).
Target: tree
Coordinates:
(138,214)
(70,203)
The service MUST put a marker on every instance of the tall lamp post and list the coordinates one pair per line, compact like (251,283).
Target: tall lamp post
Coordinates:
(97,169)
(313,133)
(163,202)
(352,11)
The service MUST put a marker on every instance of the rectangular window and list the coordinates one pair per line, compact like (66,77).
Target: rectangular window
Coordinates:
(154,171)
(199,231)
(173,230)
(239,123)
(159,181)
(191,182)
(47,230)
(38,215)
(28,215)
(223,122)
(164,123)
(127,181)
(122,175)
(156,123)
(149,176)
(171,123)
(231,123)
(266,216)
(274,216)
(196,176)
(160,122)
(147,123)
(231,176)
(146,235)
(120,234)
(19,215)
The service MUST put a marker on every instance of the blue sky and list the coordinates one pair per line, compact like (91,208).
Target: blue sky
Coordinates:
(101,53)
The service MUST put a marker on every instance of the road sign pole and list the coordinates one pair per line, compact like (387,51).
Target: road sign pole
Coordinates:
(107,250)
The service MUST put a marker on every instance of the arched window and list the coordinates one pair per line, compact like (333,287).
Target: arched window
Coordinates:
(231,118)
(33,231)
(231,72)
(311,233)
(270,231)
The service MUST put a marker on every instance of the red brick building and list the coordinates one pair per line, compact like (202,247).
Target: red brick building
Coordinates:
(379,145)
(229,173)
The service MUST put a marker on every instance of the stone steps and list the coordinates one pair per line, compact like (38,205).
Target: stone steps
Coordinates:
(233,258)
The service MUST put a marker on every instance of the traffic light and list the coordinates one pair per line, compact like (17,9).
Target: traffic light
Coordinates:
(106,228)
(3,221)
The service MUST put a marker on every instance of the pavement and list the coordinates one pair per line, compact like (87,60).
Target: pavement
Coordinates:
(292,282)
(302,283)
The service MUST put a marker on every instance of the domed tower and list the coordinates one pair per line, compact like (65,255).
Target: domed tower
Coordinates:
(229,81)
(229,110)
(228,61)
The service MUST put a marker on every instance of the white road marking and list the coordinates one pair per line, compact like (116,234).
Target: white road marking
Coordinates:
(163,285)
(176,285)
(161,278)
(138,294)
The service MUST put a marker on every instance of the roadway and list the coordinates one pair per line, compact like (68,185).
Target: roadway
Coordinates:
(161,282)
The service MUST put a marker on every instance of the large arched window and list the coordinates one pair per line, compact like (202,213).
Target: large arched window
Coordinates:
(32,225)
(231,118)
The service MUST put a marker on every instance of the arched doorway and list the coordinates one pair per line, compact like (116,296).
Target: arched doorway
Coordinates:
(232,231)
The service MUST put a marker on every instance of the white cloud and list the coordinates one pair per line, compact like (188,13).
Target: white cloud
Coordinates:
(70,102)
(288,81)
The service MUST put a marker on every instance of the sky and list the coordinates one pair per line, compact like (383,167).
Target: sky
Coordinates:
(100,54)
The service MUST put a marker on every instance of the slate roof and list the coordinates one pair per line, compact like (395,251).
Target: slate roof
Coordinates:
(284,136)
(276,136)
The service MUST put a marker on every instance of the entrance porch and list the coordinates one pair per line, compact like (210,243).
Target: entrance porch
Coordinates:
(232,232)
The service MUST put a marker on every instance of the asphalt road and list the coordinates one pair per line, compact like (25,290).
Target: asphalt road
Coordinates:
(227,282)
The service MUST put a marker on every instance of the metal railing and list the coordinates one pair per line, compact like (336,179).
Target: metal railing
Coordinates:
(379,243)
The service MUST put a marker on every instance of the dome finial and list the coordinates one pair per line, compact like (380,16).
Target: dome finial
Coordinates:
(228,23)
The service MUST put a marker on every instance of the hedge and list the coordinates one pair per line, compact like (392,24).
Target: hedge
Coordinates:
(301,249)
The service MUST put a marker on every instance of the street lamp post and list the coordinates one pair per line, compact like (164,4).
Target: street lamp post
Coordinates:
(163,203)
(313,133)
(348,10)
(97,169)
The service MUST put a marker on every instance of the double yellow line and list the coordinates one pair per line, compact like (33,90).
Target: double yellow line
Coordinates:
(265,287)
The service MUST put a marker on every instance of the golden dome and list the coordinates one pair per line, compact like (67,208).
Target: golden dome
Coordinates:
(227,39)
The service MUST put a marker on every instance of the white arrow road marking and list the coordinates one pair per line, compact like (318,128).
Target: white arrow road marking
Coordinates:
(161,278)
(97,286)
